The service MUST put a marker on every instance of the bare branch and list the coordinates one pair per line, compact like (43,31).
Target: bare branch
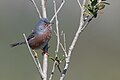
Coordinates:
(33,58)
(55,32)
(33,2)
(37,60)
(53,70)
(85,25)
(62,46)
(79,4)
(63,50)
(45,55)
(74,41)
(45,65)
(61,33)
(58,10)
(58,40)
(84,2)
(57,29)
(44,15)
(64,39)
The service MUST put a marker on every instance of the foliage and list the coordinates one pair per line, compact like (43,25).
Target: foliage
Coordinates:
(93,6)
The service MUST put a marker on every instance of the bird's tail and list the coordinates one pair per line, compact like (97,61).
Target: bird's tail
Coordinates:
(16,44)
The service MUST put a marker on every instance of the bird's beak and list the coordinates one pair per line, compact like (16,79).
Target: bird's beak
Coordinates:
(50,23)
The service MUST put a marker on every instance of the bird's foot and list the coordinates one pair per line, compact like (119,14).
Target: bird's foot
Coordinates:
(35,54)
(45,52)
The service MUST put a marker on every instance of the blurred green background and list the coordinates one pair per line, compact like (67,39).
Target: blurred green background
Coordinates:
(96,55)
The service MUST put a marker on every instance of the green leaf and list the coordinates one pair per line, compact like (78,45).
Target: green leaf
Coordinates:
(91,10)
(87,13)
(87,7)
(94,2)
(95,13)
(103,0)
(100,6)
(106,3)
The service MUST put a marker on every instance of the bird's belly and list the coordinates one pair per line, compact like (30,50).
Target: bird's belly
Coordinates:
(39,41)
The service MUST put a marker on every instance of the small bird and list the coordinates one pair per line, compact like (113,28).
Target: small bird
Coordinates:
(39,37)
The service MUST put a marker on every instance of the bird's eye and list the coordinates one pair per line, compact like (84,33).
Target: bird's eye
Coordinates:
(47,22)
(40,29)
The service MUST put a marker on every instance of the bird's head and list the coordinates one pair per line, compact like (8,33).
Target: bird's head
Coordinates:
(43,25)
(44,21)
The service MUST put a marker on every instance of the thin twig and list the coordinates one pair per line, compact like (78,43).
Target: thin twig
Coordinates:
(58,10)
(58,41)
(55,32)
(33,58)
(53,70)
(61,46)
(61,33)
(64,39)
(84,1)
(33,2)
(86,24)
(73,42)
(79,4)
(57,29)
(37,60)
(63,50)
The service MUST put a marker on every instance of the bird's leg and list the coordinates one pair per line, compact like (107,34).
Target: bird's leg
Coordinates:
(35,54)
(45,52)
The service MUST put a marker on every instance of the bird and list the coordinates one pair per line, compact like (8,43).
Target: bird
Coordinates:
(39,37)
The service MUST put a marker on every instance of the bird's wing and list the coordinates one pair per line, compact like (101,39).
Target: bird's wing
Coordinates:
(31,35)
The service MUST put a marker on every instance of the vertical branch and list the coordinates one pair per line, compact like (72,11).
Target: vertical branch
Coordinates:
(74,41)
(64,50)
(58,40)
(64,38)
(45,65)
(63,46)
(57,29)
(44,15)
(36,8)
(45,56)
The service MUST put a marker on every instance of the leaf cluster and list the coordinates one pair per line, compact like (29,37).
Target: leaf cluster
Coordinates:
(93,6)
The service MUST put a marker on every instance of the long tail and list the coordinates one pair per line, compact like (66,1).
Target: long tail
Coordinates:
(16,44)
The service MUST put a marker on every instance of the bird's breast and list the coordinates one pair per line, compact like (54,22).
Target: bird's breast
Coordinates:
(40,40)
